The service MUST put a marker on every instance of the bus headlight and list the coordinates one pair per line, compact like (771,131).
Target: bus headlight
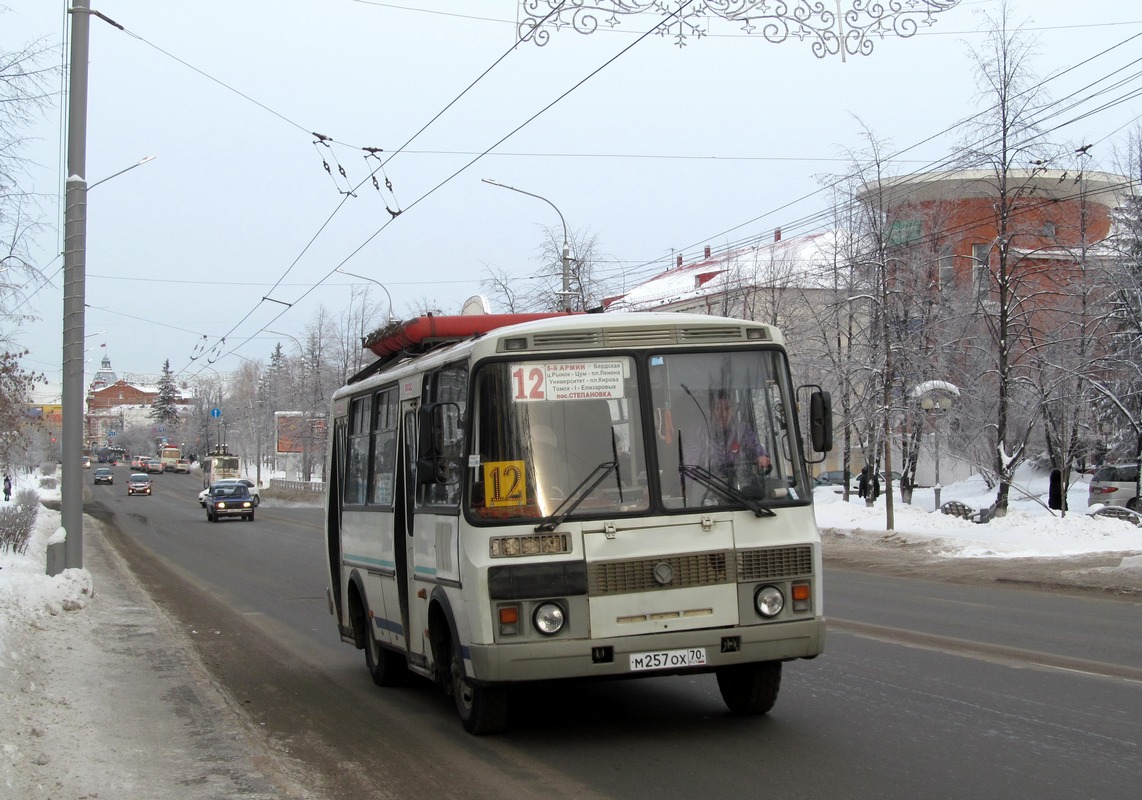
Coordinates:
(768,600)
(549,618)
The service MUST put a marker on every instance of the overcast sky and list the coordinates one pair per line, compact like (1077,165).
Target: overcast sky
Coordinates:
(664,150)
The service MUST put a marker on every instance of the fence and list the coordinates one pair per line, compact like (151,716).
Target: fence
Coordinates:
(316,487)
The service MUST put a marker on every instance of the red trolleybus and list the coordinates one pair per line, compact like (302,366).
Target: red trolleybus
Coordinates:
(514,501)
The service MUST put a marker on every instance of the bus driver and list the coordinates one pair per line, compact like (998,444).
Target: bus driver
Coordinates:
(729,442)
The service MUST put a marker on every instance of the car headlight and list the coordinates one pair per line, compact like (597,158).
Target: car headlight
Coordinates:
(768,600)
(549,618)
(220,505)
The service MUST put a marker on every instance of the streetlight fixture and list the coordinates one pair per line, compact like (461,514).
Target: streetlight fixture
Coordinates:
(371,280)
(566,293)
(138,163)
(300,349)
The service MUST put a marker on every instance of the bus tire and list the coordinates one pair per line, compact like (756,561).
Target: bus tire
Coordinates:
(482,709)
(387,667)
(750,689)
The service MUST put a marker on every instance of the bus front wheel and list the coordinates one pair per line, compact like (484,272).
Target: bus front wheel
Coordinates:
(482,709)
(750,689)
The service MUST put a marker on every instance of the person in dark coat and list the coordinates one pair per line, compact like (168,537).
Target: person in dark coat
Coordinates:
(868,485)
(7,488)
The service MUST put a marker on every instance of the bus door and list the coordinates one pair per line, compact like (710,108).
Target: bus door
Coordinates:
(433,492)
(402,518)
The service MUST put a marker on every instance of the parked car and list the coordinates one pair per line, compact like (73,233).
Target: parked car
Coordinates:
(104,475)
(229,500)
(837,477)
(139,483)
(1114,485)
(251,487)
(182,465)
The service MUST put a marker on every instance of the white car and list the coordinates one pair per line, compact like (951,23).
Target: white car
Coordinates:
(249,484)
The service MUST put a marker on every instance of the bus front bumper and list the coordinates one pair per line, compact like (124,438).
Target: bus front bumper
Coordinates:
(590,658)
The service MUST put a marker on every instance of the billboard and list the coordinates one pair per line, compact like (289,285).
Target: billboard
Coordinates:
(290,429)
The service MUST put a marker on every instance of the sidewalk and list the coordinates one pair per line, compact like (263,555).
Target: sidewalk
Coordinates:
(107,700)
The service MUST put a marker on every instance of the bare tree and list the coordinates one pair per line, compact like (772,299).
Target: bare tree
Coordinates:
(541,291)
(1005,142)
(1118,381)
(25,77)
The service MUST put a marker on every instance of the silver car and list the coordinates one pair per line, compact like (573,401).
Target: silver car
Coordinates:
(1114,485)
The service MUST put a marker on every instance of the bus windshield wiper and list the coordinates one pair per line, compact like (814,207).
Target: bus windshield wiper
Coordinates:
(578,495)
(712,481)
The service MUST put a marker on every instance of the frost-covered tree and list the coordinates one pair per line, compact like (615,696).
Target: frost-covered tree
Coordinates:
(164,409)
(16,427)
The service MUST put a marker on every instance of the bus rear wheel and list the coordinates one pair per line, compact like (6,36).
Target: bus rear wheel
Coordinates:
(750,689)
(482,709)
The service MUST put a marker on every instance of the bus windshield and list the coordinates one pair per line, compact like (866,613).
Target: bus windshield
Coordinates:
(546,430)
(559,438)
(722,431)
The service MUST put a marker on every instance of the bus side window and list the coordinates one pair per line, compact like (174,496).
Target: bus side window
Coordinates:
(447,388)
(357,469)
(382,488)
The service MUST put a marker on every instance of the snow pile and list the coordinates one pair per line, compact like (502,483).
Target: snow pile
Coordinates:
(27,595)
(1029,530)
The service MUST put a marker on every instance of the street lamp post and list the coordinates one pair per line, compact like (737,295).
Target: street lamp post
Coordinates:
(566,293)
(936,404)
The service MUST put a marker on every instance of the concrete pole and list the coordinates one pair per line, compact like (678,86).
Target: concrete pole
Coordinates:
(566,271)
(74,280)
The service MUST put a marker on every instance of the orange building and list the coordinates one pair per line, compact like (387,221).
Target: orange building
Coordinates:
(1054,219)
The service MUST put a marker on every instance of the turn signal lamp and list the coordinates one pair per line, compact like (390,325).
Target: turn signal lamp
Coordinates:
(509,620)
(801,594)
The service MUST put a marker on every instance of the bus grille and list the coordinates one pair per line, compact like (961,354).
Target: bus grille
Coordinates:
(775,562)
(623,577)
(569,339)
(725,333)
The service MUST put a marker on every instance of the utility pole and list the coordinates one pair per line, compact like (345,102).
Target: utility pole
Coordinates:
(74,279)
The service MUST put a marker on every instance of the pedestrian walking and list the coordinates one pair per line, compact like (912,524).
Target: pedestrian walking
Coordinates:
(7,488)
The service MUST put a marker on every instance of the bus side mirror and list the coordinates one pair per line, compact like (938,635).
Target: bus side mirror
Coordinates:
(821,421)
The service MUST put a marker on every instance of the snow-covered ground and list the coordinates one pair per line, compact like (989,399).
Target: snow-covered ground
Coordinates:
(1030,529)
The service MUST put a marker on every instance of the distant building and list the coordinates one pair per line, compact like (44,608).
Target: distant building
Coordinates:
(113,405)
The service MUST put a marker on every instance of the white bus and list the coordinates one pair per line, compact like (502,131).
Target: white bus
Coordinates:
(220,465)
(168,456)
(535,501)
